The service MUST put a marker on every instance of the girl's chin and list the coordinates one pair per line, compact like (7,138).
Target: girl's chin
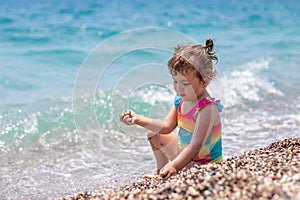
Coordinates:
(185,98)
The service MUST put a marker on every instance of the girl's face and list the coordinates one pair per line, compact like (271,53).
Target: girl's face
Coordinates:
(188,86)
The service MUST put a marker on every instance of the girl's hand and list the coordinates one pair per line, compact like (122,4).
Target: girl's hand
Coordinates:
(128,117)
(168,171)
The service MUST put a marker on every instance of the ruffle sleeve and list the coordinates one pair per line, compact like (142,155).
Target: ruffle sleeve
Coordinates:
(177,101)
(206,101)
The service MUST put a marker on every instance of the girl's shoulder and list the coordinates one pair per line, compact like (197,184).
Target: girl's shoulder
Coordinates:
(208,100)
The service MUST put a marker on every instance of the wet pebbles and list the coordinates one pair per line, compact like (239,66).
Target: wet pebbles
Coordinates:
(272,172)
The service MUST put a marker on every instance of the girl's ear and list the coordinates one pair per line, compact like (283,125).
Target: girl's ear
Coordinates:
(206,82)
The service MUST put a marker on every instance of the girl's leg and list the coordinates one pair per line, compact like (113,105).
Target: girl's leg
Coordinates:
(164,147)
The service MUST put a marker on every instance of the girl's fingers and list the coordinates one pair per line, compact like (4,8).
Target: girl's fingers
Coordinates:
(127,118)
(124,114)
(129,121)
(149,176)
(121,116)
(163,173)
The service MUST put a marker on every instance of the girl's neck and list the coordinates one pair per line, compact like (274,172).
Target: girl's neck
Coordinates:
(202,95)
(190,104)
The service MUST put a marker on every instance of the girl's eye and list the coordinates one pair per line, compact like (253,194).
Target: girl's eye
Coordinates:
(186,84)
(174,82)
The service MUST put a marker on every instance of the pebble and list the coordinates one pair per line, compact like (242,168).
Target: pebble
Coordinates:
(272,172)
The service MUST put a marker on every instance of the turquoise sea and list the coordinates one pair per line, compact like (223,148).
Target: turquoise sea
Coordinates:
(68,68)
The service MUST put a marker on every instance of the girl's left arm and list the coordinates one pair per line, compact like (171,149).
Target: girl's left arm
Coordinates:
(208,116)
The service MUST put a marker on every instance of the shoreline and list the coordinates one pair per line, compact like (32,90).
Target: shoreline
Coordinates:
(271,172)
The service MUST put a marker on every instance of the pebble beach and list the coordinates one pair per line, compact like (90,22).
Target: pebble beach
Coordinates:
(272,172)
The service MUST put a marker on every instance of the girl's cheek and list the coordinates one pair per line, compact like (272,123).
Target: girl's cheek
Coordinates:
(175,85)
(178,87)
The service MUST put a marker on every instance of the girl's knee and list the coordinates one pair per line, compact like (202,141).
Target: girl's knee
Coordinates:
(151,134)
(153,138)
(160,141)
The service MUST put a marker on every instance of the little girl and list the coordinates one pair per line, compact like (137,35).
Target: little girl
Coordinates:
(196,114)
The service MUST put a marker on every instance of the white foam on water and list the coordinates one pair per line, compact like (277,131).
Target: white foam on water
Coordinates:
(247,82)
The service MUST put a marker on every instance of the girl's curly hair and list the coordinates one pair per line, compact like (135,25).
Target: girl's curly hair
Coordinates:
(194,57)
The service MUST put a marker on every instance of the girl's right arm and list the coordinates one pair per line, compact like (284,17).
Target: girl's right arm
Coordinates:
(157,126)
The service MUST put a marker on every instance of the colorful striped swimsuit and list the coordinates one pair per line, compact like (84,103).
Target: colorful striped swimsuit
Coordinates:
(211,150)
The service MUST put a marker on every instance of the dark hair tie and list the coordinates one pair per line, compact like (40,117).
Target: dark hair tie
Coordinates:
(209,46)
